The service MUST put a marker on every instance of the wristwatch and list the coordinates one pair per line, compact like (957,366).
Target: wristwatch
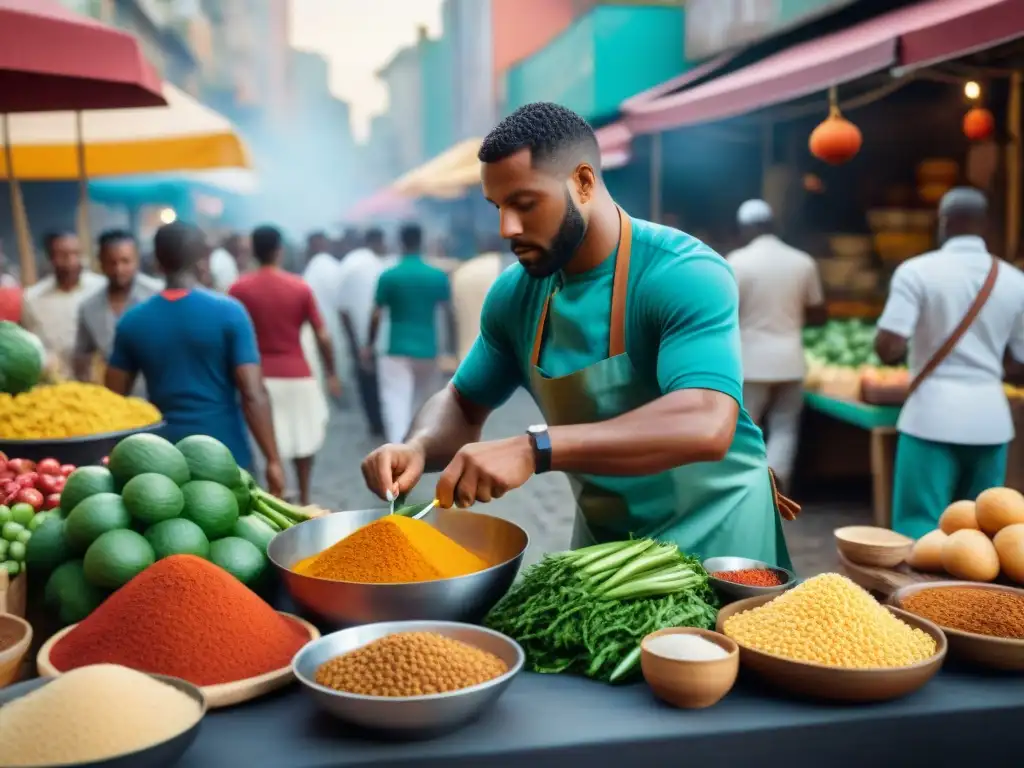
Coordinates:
(541,442)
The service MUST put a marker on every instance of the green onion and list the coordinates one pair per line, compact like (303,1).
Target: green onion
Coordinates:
(617,559)
(584,557)
(281,521)
(264,519)
(641,565)
(650,588)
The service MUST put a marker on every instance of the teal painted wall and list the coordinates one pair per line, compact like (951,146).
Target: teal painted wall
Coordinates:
(436,70)
(605,57)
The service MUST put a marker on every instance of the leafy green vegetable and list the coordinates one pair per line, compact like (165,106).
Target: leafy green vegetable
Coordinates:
(586,612)
(847,343)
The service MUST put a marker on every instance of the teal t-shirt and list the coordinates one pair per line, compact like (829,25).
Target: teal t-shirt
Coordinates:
(682,325)
(411,291)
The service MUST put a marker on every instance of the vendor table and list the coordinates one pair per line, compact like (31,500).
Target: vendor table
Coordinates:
(546,721)
(880,422)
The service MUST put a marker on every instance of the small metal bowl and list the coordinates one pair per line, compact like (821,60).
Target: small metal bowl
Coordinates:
(407,717)
(162,755)
(344,604)
(730,591)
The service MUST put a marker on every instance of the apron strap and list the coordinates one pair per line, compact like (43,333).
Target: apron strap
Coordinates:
(617,320)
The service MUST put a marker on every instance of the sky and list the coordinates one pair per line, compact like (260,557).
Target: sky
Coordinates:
(358,37)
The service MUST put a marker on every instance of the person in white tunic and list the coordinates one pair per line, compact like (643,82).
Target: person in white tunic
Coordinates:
(321,274)
(955,427)
(780,293)
(51,306)
(356,289)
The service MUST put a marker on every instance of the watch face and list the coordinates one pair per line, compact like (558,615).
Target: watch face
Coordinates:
(537,428)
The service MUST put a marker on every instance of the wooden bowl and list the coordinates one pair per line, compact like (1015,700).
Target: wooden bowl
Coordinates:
(984,650)
(11,658)
(871,545)
(217,696)
(690,684)
(818,681)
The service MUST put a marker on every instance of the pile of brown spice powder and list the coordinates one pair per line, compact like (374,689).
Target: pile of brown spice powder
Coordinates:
(992,612)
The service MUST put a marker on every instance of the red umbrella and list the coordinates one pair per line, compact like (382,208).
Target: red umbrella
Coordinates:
(53,59)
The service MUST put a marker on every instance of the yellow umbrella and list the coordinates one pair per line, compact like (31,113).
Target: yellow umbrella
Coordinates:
(183,136)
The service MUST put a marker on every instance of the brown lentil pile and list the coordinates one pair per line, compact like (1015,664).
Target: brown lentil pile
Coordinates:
(971,609)
(410,664)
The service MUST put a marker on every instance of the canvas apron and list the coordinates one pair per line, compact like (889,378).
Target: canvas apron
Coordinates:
(709,509)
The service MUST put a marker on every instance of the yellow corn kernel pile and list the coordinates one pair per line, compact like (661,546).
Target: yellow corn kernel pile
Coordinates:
(71,409)
(830,620)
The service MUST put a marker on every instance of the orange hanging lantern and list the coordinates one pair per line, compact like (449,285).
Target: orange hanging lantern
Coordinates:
(836,140)
(979,124)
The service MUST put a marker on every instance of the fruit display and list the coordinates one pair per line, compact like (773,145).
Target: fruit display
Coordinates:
(976,540)
(22,359)
(152,500)
(30,493)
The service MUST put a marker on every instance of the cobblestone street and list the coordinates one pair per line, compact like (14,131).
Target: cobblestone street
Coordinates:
(544,506)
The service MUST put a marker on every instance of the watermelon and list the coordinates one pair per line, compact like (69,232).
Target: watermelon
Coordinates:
(21,358)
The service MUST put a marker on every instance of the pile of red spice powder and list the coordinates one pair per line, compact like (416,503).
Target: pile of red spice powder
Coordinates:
(751,577)
(187,618)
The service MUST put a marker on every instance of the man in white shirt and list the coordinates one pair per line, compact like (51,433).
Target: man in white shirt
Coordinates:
(955,429)
(51,306)
(780,292)
(321,275)
(357,279)
(228,261)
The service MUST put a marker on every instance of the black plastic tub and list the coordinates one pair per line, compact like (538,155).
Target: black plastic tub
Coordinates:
(80,451)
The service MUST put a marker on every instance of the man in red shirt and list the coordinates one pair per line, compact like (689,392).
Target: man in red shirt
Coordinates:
(280,304)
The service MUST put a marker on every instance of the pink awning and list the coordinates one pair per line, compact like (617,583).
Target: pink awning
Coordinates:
(921,33)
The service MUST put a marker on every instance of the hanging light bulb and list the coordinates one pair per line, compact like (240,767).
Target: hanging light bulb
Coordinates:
(168,216)
(972,90)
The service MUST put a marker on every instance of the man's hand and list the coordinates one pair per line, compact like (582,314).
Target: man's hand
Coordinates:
(275,478)
(334,387)
(393,467)
(485,471)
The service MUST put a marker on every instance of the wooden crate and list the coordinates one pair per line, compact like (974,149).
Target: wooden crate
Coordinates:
(13,594)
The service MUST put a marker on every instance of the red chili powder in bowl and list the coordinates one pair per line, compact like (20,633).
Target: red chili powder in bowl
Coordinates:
(187,618)
(751,577)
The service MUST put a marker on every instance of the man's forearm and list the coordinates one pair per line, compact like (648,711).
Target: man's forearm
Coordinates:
(374,327)
(350,333)
(256,407)
(443,426)
(680,428)
(323,342)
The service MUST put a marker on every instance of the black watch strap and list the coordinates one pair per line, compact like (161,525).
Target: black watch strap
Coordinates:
(541,441)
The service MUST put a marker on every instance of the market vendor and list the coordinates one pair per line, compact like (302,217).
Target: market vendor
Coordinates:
(960,312)
(626,334)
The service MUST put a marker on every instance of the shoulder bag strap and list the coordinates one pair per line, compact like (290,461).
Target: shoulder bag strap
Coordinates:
(958,333)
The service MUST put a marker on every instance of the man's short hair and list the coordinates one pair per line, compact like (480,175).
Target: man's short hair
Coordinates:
(411,238)
(558,138)
(266,242)
(112,237)
(53,236)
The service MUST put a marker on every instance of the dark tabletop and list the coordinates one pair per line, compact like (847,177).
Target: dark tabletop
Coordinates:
(546,721)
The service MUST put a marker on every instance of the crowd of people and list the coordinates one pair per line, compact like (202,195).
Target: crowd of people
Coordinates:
(653,359)
(228,342)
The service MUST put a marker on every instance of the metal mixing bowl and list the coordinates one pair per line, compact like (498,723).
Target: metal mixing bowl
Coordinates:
(464,598)
(407,717)
(730,591)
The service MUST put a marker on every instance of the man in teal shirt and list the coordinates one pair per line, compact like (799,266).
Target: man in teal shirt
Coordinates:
(626,334)
(411,293)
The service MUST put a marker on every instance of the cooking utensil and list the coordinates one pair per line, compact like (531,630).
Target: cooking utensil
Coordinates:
(407,716)
(730,590)
(463,598)
(817,681)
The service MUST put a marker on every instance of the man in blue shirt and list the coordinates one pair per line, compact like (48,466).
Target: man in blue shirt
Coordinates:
(626,334)
(197,351)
